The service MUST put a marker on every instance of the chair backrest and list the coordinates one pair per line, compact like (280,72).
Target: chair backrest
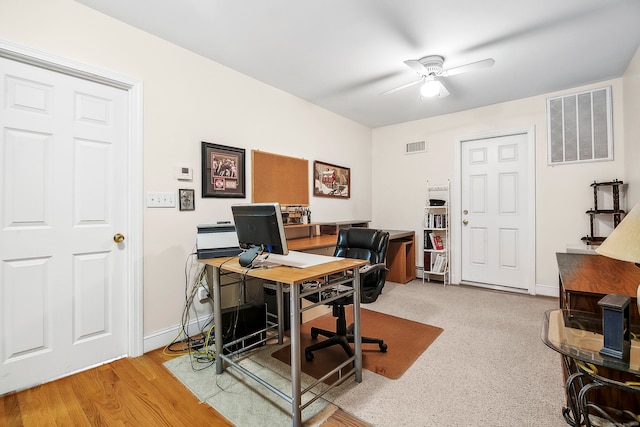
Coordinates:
(368,244)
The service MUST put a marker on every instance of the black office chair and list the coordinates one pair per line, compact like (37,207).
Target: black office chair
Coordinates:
(360,243)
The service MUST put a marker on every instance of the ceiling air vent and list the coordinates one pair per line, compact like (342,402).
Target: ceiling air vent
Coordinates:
(415,147)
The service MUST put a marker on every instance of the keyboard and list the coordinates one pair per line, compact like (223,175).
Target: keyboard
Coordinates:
(296,259)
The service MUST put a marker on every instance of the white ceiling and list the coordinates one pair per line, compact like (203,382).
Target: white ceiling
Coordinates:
(342,54)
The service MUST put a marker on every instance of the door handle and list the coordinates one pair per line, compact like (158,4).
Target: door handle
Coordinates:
(465,222)
(118,238)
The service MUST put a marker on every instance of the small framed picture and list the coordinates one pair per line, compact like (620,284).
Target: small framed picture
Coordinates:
(186,197)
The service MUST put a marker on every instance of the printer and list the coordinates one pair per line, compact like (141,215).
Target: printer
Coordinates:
(217,240)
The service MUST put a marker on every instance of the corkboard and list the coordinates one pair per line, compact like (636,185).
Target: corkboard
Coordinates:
(276,178)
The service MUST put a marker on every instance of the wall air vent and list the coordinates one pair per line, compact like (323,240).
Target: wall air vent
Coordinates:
(415,147)
(579,127)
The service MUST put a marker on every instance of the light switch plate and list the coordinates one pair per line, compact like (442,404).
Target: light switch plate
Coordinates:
(161,200)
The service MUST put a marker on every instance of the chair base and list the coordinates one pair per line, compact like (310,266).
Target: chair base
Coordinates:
(343,336)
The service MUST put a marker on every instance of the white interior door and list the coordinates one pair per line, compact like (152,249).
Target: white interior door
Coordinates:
(63,151)
(497,228)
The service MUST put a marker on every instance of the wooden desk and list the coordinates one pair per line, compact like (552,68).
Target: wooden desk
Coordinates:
(584,280)
(293,278)
(401,256)
(310,243)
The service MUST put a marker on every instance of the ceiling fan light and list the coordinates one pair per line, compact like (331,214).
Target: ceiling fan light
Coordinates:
(430,89)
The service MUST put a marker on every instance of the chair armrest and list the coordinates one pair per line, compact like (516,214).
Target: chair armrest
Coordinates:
(365,270)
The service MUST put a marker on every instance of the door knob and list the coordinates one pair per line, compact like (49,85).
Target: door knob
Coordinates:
(118,238)
(465,222)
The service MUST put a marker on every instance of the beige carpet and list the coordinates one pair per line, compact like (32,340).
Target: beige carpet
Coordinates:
(406,341)
(488,367)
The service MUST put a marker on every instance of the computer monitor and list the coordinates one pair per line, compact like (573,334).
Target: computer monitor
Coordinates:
(260,228)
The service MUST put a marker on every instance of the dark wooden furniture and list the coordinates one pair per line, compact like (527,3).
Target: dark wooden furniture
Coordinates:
(616,212)
(584,280)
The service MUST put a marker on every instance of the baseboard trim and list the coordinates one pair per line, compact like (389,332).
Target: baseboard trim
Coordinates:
(547,290)
(164,337)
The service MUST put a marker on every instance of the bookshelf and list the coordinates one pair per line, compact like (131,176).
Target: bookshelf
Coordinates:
(436,235)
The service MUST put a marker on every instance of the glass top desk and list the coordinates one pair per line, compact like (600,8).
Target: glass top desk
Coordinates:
(577,335)
(329,275)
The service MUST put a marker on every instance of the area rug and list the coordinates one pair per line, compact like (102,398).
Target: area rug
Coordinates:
(243,401)
(406,341)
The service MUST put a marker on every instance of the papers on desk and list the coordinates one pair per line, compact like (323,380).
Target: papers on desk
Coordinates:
(297,259)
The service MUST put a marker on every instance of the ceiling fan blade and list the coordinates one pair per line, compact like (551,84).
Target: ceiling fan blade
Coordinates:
(485,63)
(416,66)
(395,89)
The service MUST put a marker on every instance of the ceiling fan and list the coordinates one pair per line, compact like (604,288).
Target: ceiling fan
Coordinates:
(431,70)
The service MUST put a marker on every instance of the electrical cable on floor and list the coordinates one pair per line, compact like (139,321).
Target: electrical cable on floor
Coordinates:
(198,346)
(201,347)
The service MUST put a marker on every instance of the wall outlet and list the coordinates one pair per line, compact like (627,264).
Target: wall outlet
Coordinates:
(203,295)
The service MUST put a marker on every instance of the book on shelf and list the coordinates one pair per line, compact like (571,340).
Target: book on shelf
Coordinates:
(427,261)
(437,242)
(432,238)
(443,267)
(436,264)
(439,264)
(435,221)
(428,244)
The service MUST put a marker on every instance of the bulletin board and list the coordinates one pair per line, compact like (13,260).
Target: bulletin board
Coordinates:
(277,178)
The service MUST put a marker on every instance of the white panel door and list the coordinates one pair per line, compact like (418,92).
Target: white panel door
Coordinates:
(63,181)
(494,211)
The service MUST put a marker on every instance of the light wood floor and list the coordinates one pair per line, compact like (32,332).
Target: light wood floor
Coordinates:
(133,391)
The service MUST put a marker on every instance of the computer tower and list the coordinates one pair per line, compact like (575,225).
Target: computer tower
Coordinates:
(270,300)
(243,320)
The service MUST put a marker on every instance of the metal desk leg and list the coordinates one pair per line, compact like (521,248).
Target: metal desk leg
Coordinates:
(217,318)
(280,308)
(357,337)
(294,314)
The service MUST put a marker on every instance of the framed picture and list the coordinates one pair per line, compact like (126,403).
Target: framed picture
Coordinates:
(331,180)
(223,171)
(186,197)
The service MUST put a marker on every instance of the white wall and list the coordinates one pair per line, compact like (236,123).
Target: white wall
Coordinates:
(189,99)
(632,126)
(563,193)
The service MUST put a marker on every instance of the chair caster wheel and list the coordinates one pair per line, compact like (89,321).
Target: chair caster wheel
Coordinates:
(308,355)
(314,334)
(383,347)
